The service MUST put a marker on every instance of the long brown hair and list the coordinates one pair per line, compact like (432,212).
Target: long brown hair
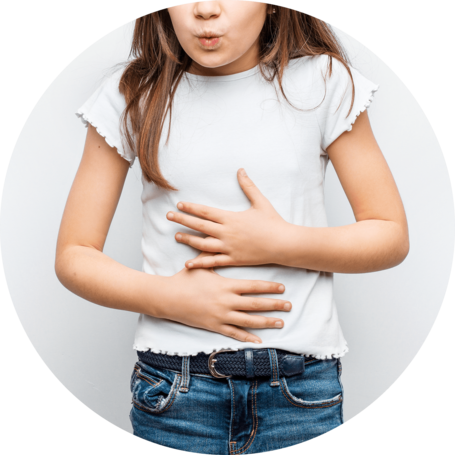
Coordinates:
(150,79)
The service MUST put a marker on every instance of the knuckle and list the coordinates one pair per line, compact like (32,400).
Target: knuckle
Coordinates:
(257,322)
(233,334)
(229,333)
(207,265)
(254,287)
(246,322)
(256,304)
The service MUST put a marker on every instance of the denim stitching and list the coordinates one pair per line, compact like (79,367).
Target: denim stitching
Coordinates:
(274,364)
(274,368)
(286,395)
(185,381)
(147,379)
(168,405)
(277,374)
(155,384)
(231,450)
(255,422)
(139,406)
(271,362)
(233,402)
(342,390)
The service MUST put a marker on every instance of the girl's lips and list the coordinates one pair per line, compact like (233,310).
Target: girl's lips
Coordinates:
(209,42)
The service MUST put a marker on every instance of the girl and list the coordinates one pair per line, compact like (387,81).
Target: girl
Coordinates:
(233,110)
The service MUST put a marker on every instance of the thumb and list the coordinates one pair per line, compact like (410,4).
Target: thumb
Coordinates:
(249,188)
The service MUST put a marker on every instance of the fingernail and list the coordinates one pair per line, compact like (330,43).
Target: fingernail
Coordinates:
(278,324)
(287,306)
(242,172)
(281,288)
(190,264)
(170,215)
(178,236)
(257,342)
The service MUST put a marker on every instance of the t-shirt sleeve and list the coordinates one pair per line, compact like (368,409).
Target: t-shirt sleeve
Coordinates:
(103,110)
(332,113)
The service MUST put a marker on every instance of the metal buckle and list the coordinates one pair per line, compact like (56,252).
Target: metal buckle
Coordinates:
(212,361)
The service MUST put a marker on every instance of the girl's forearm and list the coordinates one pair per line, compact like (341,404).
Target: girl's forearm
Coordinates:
(365,246)
(96,277)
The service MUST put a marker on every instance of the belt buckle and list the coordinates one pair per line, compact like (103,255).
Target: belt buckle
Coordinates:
(212,361)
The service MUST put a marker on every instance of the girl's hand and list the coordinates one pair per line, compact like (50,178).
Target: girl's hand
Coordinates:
(202,298)
(250,237)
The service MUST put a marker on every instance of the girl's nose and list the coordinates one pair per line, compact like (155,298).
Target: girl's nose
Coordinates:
(207,9)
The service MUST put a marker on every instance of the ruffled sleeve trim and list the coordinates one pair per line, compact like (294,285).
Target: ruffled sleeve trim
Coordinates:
(332,115)
(103,110)
(86,120)
(365,106)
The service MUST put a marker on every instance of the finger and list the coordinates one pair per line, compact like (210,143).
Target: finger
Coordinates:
(209,213)
(239,334)
(210,244)
(249,188)
(207,227)
(203,254)
(262,304)
(217,260)
(257,287)
(254,322)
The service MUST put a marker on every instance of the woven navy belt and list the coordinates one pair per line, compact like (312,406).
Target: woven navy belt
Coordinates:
(226,363)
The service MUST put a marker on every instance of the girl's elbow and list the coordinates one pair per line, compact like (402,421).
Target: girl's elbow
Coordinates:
(63,266)
(60,268)
(402,249)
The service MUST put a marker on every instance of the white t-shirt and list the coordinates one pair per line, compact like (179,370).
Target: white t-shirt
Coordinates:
(220,124)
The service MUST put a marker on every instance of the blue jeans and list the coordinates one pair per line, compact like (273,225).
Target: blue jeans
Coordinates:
(203,414)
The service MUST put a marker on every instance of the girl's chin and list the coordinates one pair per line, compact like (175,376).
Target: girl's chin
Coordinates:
(204,68)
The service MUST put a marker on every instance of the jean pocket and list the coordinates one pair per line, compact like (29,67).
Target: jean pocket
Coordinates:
(300,402)
(153,391)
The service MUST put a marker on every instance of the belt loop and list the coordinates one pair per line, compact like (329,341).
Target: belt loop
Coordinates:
(249,365)
(185,387)
(274,368)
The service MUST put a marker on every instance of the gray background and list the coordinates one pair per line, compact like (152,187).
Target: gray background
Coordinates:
(385,316)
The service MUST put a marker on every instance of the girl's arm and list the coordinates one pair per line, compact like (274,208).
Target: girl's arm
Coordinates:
(80,264)
(379,239)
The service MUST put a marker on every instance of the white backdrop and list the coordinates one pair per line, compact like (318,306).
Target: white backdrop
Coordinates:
(385,316)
